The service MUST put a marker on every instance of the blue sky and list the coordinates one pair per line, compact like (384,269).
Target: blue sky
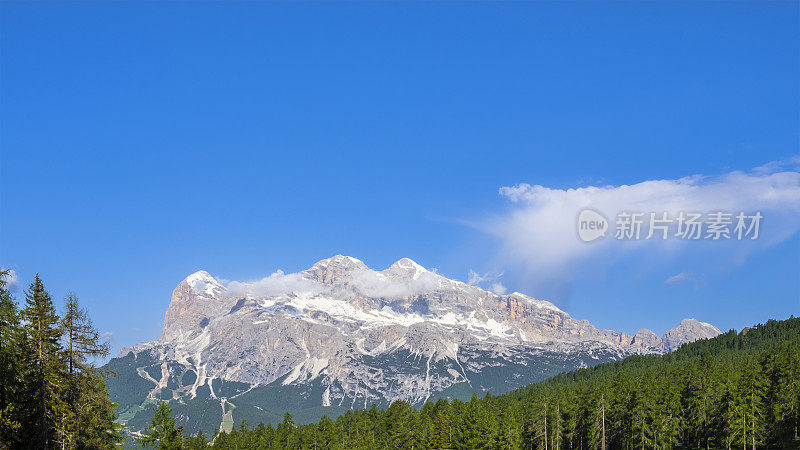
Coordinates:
(143,141)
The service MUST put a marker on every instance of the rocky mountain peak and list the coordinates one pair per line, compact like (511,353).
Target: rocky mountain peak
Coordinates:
(406,267)
(335,268)
(689,330)
(401,333)
(195,298)
(203,284)
(544,304)
(646,339)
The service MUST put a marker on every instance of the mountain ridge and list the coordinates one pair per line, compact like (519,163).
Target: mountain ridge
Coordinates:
(347,334)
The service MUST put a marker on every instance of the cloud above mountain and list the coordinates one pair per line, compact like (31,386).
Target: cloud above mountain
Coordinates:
(391,283)
(539,230)
(278,283)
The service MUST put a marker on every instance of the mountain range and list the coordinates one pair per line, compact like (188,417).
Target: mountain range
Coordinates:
(340,335)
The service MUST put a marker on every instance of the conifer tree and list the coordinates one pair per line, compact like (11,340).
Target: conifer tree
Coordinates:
(44,374)
(642,406)
(196,442)
(508,436)
(286,436)
(475,427)
(701,400)
(10,352)
(325,437)
(733,423)
(752,386)
(162,431)
(89,411)
(781,368)
(403,420)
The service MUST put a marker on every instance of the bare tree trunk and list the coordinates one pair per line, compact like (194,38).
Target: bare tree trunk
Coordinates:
(744,429)
(603,413)
(753,424)
(545,426)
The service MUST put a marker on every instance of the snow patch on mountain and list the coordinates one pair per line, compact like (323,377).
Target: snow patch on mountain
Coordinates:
(404,332)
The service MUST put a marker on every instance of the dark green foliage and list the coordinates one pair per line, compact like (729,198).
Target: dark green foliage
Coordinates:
(11,341)
(51,396)
(44,373)
(162,432)
(90,412)
(196,442)
(727,392)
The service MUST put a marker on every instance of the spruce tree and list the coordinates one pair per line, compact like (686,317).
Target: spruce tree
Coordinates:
(326,434)
(44,372)
(197,442)
(781,367)
(286,435)
(508,435)
(10,352)
(402,421)
(752,389)
(162,431)
(733,423)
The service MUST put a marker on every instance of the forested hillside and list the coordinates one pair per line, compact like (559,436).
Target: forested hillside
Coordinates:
(736,390)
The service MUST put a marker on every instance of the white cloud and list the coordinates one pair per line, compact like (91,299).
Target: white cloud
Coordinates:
(474,278)
(493,277)
(277,283)
(12,280)
(539,231)
(676,278)
(375,284)
(498,288)
(369,283)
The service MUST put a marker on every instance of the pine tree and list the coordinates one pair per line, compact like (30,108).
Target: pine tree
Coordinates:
(81,342)
(641,412)
(669,407)
(733,413)
(197,442)
(95,412)
(752,386)
(404,425)
(508,436)
(598,436)
(266,437)
(443,428)
(325,436)
(44,372)
(162,431)
(475,427)
(10,352)
(701,399)
(286,436)
(781,368)
(90,412)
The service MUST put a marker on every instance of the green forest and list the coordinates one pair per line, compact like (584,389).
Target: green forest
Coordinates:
(738,390)
(51,395)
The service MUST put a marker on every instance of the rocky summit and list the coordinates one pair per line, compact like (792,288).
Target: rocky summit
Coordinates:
(340,335)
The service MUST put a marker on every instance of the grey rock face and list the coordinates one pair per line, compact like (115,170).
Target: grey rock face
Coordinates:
(689,330)
(365,335)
